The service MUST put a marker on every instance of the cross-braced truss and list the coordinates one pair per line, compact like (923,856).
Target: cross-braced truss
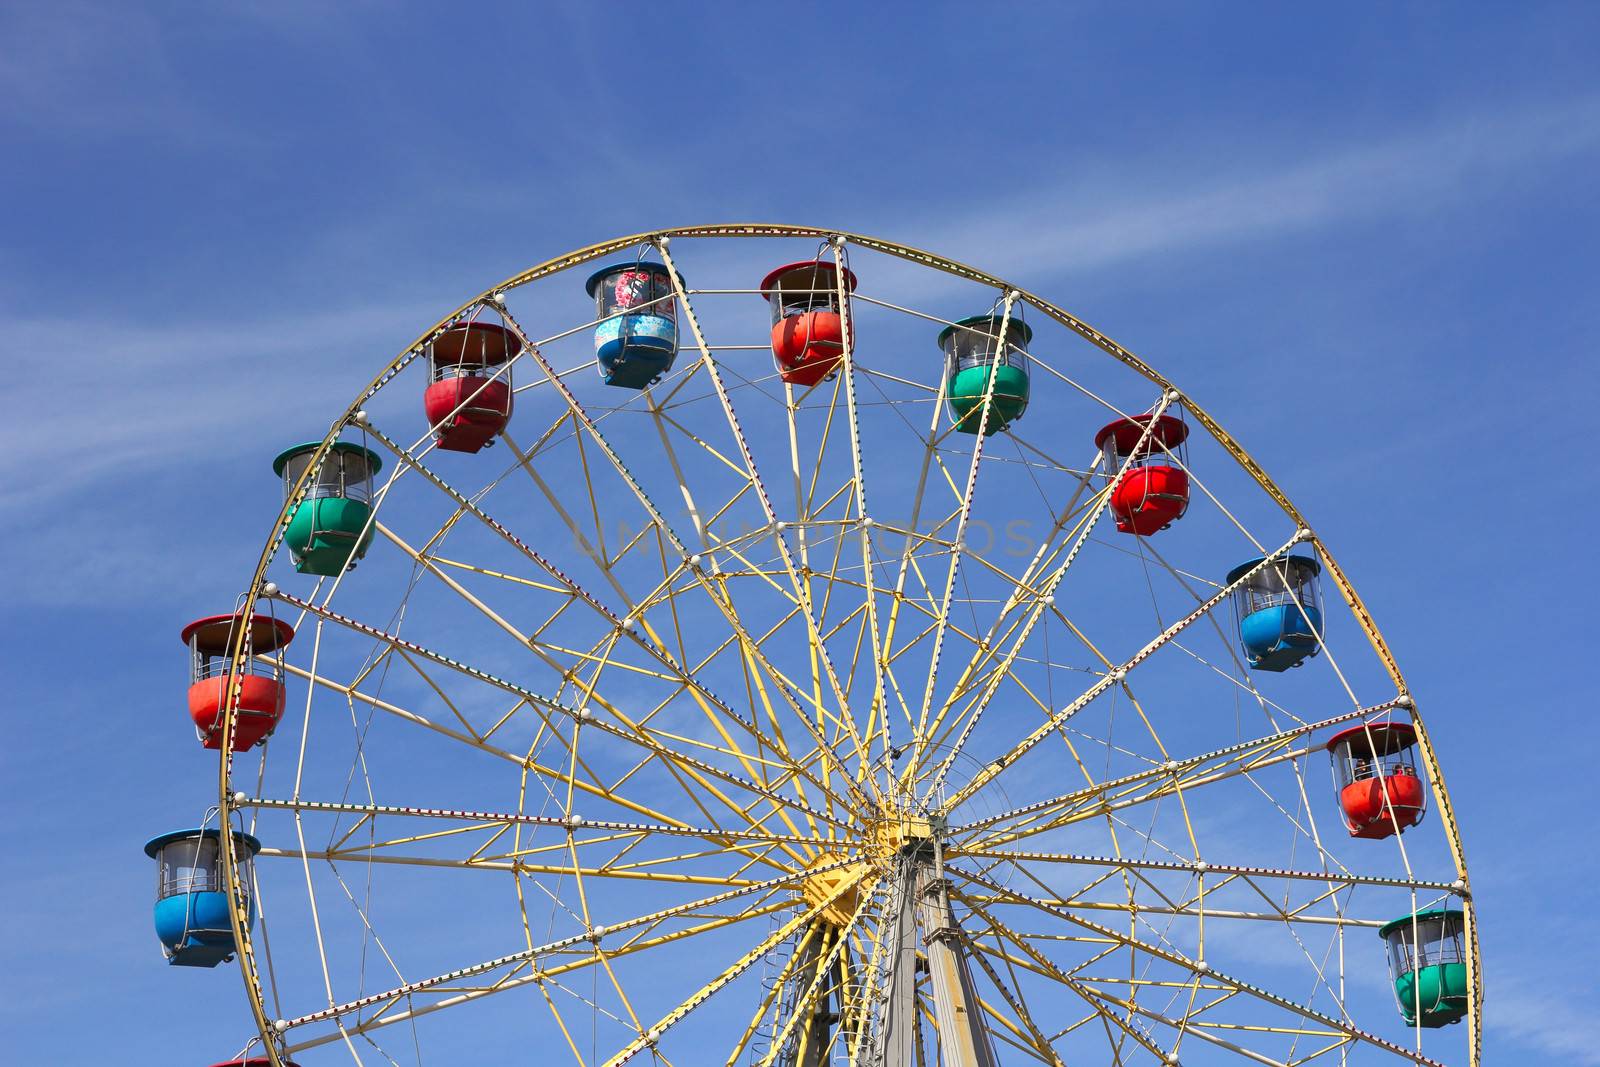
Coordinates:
(731,720)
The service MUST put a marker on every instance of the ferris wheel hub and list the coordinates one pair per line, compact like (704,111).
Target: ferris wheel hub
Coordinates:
(895,832)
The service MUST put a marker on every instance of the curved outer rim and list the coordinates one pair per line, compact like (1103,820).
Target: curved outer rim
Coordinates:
(238,914)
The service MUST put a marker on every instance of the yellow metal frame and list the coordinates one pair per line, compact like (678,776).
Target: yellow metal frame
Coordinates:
(807,855)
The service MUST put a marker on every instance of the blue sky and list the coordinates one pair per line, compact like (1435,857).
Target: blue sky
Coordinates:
(1365,241)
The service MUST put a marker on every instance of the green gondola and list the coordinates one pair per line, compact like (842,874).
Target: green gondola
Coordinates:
(328,529)
(972,356)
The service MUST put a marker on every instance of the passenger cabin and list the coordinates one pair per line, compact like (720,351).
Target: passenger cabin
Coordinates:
(1375,772)
(1279,612)
(636,339)
(974,353)
(1428,964)
(328,529)
(259,678)
(807,319)
(469,396)
(191,913)
(1154,492)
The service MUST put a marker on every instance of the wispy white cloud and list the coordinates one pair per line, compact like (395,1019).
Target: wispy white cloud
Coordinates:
(1535,1019)
(1082,224)
(135,399)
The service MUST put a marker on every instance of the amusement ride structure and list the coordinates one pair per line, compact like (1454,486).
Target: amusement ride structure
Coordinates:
(911,678)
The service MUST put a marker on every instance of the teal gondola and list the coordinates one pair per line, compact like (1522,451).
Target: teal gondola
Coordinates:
(328,529)
(978,363)
(1428,964)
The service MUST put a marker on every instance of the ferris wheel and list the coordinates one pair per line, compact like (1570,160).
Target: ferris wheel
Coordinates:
(906,675)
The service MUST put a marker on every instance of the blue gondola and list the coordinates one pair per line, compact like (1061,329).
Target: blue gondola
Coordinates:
(191,914)
(634,347)
(1279,612)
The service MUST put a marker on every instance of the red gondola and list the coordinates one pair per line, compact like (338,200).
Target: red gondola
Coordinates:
(1376,775)
(807,319)
(1154,493)
(261,695)
(468,401)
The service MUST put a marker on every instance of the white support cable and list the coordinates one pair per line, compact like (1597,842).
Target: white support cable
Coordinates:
(1114,677)
(1000,357)
(1053,583)
(847,355)
(525,957)
(554,705)
(584,420)
(780,541)
(750,646)
(659,653)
